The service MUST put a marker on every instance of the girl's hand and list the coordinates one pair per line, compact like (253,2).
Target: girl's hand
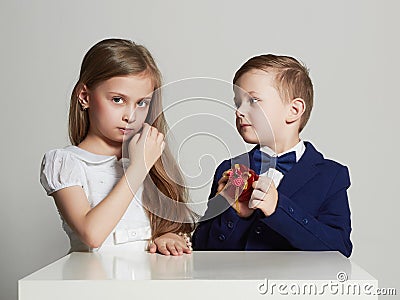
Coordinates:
(264,196)
(170,243)
(146,147)
(243,207)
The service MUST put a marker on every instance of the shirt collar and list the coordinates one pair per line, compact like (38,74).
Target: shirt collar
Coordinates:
(299,149)
(89,157)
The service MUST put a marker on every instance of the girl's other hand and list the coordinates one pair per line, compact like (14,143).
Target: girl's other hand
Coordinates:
(170,243)
(146,147)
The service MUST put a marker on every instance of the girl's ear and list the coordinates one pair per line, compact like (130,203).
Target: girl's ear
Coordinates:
(83,96)
(297,107)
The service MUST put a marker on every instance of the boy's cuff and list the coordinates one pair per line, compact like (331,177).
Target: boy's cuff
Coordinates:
(286,213)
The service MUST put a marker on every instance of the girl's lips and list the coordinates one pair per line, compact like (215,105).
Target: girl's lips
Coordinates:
(244,125)
(125,130)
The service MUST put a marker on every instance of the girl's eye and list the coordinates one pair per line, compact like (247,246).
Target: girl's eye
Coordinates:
(143,103)
(117,100)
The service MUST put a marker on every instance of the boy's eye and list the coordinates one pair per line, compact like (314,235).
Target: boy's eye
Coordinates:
(117,100)
(253,100)
(237,102)
(143,103)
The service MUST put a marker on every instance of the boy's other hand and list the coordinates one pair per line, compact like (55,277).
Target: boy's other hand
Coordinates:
(264,196)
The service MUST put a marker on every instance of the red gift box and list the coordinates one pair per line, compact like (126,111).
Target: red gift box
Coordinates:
(240,181)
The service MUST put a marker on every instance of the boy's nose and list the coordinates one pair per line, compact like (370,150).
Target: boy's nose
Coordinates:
(239,114)
(241,110)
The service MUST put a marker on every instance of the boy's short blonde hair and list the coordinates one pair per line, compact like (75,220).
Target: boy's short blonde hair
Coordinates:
(291,78)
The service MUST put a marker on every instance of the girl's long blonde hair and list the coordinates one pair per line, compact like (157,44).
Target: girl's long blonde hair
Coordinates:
(163,196)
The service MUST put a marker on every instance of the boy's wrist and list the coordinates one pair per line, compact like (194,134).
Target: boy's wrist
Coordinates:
(241,208)
(246,214)
(269,207)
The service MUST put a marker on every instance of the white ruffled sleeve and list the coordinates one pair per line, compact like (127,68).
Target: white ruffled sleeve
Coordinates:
(60,169)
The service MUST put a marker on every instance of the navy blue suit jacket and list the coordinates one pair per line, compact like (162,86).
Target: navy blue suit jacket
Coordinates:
(312,211)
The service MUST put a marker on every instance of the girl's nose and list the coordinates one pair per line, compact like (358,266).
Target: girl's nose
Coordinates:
(129,114)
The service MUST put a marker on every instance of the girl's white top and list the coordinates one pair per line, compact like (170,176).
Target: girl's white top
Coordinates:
(97,175)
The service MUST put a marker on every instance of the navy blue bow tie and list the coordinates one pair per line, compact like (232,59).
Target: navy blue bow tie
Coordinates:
(283,163)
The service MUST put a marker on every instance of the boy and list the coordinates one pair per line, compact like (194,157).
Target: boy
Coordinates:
(302,204)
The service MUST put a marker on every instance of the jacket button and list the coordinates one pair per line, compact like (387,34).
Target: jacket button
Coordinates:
(305,221)
(258,230)
(230,224)
(291,210)
(221,237)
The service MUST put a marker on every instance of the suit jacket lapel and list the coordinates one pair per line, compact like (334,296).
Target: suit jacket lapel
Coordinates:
(302,171)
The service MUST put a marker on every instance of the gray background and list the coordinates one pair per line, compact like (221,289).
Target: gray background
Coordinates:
(351,48)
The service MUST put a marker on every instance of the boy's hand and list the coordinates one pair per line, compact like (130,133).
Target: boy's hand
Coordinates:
(264,196)
(243,207)
(170,243)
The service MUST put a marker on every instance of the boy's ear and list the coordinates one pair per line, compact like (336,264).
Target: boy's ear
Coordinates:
(83,96)
(297,107)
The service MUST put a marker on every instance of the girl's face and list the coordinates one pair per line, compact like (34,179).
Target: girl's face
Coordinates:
(261,112)
(119,106)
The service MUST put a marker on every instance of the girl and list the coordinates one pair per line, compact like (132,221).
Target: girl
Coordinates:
(116,99)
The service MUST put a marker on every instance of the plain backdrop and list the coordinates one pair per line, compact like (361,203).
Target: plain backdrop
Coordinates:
(351,48)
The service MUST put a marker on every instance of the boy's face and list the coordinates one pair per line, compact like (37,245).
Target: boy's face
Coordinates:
(261,113)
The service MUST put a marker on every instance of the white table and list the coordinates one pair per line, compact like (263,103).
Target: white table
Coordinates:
(200,275)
